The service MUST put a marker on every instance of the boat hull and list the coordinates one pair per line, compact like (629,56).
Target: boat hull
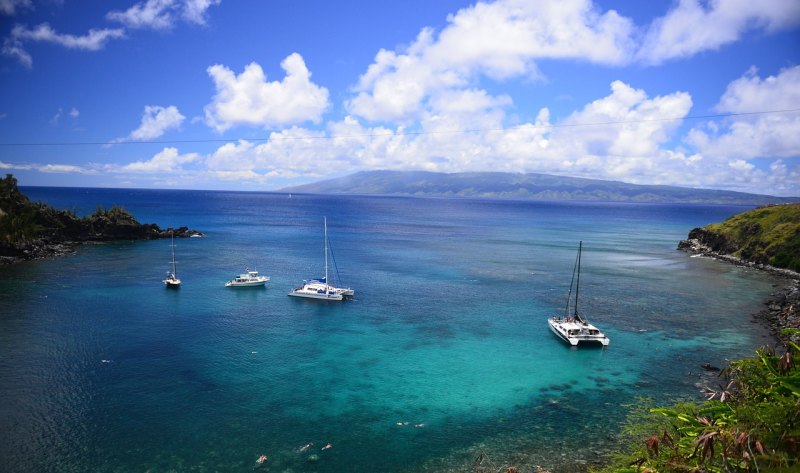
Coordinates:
(561,330)
(246,284)
(317,296)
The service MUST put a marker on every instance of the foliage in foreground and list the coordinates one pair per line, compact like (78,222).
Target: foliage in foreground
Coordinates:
(751,425)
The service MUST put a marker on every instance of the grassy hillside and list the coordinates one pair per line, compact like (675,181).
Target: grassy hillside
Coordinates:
(769,235)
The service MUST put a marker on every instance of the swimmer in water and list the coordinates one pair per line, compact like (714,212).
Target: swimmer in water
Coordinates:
(261,459)
(305,447)
(327,447)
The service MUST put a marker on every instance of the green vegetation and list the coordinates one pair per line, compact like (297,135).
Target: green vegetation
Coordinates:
(23,221)
(769,235)
(18,221)
(752,425)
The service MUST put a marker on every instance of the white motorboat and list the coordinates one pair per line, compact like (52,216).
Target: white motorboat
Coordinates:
(248,279)
(172,276)
(573,328)
(319,288)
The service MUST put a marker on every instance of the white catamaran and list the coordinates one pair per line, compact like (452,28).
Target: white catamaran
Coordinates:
(172,277)
(574,328)
(319,288)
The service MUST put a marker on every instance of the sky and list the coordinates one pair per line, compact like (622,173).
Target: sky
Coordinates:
(259,95)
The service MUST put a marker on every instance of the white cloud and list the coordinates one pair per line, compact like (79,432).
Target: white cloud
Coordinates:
(57,117)
(499,40)
(167,160)
(194,11)
(156,14)
(94,40)
(48,168)
(162,14)
(74,113)
(248,99)
(9,7)
(759,135)
(156,121)
(694,26)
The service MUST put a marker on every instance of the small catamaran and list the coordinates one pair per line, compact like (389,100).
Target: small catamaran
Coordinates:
(574,328)
(318,288)
(172,277)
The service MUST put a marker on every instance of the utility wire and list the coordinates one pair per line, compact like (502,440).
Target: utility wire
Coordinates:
(405,133)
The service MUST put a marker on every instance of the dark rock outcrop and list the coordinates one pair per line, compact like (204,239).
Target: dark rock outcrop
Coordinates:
(31,230)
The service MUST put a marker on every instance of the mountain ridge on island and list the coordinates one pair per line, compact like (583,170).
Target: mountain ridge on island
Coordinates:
(522,186)
(33,230)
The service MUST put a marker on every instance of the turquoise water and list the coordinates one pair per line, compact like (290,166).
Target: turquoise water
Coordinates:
(443,354)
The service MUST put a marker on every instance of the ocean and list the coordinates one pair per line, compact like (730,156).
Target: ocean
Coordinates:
(442,359)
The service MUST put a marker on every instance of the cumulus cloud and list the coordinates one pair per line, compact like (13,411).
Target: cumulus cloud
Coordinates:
(249,99)
(694,26)
(499,40)
(94,40)
(167,160)
(156,121)
(162,14)
(760,135)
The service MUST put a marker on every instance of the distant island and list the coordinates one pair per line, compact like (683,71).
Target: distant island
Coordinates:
(530,186)
(33,230)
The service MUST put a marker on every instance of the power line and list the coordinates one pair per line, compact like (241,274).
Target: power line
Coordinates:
(406,133)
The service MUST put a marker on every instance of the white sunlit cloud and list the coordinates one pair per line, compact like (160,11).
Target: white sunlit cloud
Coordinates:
(156,120)
(166,161)
(162,14)
(760,135)
(500,40)
(94,40)
(249,99)
(694,26)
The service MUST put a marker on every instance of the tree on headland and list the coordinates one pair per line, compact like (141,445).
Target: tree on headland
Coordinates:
(18,221)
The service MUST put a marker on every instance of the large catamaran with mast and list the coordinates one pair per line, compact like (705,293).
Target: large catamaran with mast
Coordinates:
(320,288)
(573,327)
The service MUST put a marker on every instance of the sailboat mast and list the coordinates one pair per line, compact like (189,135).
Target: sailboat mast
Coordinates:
(174,270)
(325,248)
(578,282)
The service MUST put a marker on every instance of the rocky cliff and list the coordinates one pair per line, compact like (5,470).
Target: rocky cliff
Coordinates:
(31,230)
(767,236)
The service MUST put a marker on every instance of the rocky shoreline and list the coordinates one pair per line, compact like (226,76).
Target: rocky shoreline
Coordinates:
(54,246)
(782,310)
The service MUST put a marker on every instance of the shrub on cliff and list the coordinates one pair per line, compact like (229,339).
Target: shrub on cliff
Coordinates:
(750,425)
(766,235)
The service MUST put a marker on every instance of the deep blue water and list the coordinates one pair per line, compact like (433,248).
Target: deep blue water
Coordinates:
(447,333)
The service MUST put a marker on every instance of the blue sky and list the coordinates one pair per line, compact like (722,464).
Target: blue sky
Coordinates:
(258,95)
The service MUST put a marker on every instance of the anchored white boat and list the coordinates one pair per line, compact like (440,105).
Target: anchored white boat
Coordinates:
(172,277)
(247,279)
(574,328)
(319,288)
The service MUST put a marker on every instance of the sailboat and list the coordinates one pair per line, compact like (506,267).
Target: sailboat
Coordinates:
(172,277)
(573,328)
(319,288)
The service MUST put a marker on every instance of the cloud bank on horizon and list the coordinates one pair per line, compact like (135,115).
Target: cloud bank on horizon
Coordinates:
(701,94)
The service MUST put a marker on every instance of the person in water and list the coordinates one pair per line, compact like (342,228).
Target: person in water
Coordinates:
(261,459)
